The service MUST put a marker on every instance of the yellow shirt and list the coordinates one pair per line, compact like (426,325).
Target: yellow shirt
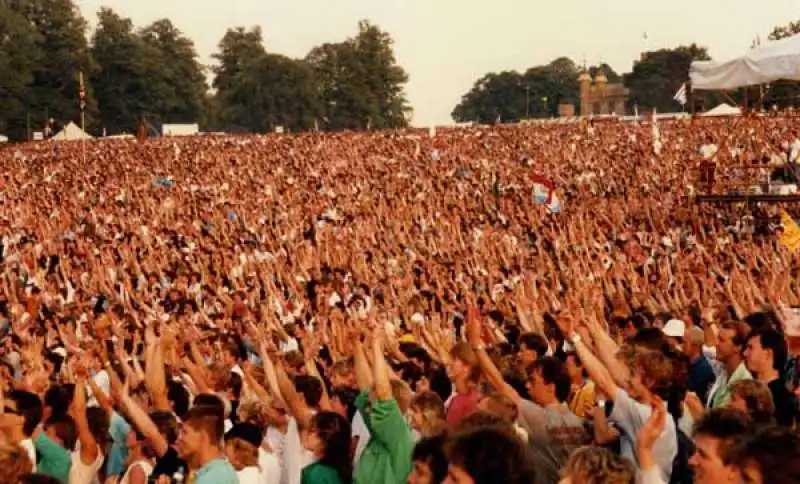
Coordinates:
(582,399)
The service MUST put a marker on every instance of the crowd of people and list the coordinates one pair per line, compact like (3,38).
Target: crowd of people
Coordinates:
(391,307)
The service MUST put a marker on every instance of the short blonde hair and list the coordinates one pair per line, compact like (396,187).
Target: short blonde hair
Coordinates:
(596,465)
(757,397)
(244,453)
(433,415)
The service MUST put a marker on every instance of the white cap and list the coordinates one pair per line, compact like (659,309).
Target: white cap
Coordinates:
(675,328)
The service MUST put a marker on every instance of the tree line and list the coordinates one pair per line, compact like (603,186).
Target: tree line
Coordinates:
(154,73)
(512,96)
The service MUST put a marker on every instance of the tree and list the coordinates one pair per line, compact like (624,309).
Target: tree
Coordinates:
(610,73)
(383,77)
(340,88)
(783,93)
(62,53)
(120,78)
(658,76)
(512,97)
(271,91)
(359,82)
(788,30)
(257,91)
(494,97)
(176,84)
(19,56)
(236,49)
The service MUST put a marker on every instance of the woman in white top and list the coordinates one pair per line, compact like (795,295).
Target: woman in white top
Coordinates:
(242,442)
(140,460)
(92,429)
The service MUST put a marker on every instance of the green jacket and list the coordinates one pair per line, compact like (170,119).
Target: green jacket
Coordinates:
(317,473)
(53,460)
(387,456)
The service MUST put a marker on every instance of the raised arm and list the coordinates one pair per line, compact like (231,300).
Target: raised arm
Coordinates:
(143,423)
(361,367)
(474,331)
(89,448)
(297,405)
(380,370)
(155,379)
(594,367)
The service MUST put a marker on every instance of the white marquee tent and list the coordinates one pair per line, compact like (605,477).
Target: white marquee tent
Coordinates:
(723,110)
(778,60)
(71,132)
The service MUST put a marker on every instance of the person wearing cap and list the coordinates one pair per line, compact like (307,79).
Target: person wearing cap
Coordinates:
(701,375)
(242,442)
(675,329)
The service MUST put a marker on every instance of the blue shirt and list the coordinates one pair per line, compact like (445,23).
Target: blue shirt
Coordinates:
(118,454)
(218,471)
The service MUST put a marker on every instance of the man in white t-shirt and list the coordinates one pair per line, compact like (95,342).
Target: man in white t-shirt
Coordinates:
(21,414)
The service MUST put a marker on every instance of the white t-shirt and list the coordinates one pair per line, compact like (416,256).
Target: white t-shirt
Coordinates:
(103,381)
(27,444)
(142,464)
(270,467)
(80,473)
(249,475)
(289,345)
(295,456)
(360,430)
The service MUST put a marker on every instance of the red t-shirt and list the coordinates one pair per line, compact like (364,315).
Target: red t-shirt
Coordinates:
(462,405)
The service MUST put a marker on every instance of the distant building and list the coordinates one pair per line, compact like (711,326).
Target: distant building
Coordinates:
(566,110)
(600,97)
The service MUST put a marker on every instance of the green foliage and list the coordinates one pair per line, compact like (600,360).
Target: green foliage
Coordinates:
(153,72)
(788,30)
(510,96)
(176,82)
(359,83)
(656,78)
(348,85)
(42,50)
(19,56)
(783,93)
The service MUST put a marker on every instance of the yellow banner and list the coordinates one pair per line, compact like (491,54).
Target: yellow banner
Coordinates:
(791,232)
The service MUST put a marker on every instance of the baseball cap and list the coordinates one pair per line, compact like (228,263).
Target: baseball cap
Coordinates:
(674,328)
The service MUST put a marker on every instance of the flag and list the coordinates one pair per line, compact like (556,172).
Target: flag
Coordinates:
(656,134)
(544,193)
(82,92)
(680,96)
(791,232)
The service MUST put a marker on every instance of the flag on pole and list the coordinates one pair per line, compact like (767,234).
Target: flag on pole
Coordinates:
(544,193)
(680,96)
(82,92)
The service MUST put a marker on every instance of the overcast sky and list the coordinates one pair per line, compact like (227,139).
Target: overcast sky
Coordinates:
(445,45)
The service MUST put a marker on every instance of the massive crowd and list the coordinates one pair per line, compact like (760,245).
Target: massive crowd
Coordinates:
(393,307)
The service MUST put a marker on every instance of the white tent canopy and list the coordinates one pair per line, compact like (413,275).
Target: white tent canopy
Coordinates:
(775,61)
(723,110)
(71,132)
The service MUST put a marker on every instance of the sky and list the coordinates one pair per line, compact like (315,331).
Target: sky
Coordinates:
(446,45)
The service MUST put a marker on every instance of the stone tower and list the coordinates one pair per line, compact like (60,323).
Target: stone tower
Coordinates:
(601,81)
(585,83)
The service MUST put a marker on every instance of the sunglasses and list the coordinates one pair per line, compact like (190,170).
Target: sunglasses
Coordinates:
(10,410)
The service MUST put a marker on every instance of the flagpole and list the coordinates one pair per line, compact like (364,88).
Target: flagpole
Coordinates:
(82,99)
(83,138)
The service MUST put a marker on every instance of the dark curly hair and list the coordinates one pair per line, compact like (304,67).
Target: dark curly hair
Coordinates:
(334,431)
(490,455)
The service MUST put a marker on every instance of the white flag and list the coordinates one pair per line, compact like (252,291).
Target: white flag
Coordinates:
(680,96)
